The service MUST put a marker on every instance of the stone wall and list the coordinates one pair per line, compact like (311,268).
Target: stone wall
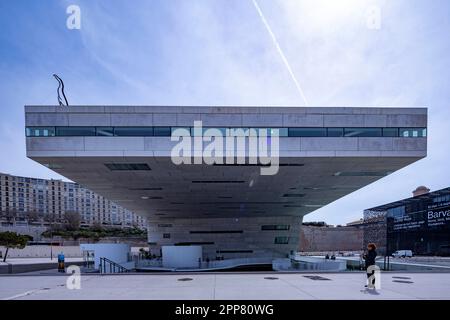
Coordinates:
(331,238)
(43,252)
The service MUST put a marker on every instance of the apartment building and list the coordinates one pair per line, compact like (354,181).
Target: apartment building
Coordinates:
(25,200)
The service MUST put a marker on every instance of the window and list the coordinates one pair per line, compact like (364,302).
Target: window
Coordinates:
(234,251)
(75,131)
(335,132)
(218,231)
(307,132)
(164,225)
(133,131)
(127,166)
(390,132)
(193,243)
(397,211)
(226,131)
(282,132)
(161,131)
(362,132)
(276,227)
(281,240)
(166,235)
(40,131)
(216,181)
(105,131)
(413,132)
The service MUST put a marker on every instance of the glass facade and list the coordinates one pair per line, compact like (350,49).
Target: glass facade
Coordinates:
(420,224)
(75,131)
(40,131)
(307,132)
(133,131)
(413,132)
(235,131)
(363,132)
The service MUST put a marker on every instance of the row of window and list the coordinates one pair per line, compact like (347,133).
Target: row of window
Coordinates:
(442,199)
(277,240)
(167,132)
(263,228)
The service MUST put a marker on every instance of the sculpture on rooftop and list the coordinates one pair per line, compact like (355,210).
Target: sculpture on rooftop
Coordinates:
(60,92)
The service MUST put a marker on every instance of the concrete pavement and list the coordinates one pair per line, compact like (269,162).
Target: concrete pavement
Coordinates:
(210,286)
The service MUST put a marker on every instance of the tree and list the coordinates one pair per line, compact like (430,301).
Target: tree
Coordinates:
(72,220)
(9,215)
(12,240)
(32,216)
(97,227)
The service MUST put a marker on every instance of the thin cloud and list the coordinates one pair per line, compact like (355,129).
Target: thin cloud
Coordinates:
(277,46)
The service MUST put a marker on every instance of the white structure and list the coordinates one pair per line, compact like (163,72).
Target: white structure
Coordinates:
(117,252)
(181,256)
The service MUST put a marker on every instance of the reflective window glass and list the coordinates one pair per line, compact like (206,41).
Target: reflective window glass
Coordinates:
(281,132)
(307,132)
(133,131)
(105,131)
(390,132)
(362,132)
(335,132)
(161,131)
(75,131)
(40,131)
(413,132)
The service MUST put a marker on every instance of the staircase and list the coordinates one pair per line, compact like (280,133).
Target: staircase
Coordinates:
(109,266)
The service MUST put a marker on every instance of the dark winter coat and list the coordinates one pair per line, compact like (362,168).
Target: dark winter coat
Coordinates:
(370,258)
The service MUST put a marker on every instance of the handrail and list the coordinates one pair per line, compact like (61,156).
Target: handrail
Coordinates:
(112,266)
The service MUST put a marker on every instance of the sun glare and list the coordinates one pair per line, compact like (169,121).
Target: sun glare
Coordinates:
(329,13)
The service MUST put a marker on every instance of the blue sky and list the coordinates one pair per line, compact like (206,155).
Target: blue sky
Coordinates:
(218,52)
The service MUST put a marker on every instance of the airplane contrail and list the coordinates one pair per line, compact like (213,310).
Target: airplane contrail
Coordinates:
(283,57)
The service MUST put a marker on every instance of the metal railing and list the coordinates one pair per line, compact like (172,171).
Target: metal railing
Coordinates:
(111,266)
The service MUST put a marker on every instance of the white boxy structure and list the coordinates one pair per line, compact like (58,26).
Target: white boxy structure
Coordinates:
(117,252)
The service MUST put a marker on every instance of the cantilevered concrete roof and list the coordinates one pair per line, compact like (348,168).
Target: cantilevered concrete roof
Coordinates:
(315,171)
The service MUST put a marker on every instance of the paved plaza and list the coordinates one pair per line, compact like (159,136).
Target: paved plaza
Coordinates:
(217,286)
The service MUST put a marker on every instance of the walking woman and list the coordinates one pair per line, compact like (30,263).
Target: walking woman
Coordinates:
(369,258)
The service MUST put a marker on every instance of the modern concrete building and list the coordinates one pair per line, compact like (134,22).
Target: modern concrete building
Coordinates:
(230,209)
(26,202)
